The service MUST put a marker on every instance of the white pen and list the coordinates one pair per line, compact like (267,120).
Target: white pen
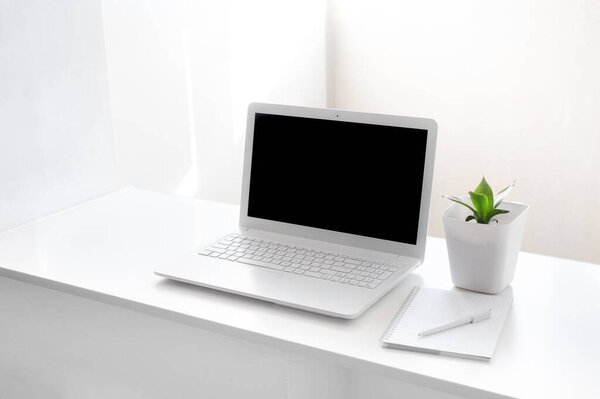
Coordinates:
(477,317)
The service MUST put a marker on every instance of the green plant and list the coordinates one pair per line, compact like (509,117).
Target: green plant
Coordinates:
(486,206)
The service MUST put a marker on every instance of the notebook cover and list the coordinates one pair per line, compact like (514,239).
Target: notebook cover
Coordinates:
(425,308)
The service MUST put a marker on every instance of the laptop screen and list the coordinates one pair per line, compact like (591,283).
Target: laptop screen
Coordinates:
(348,177)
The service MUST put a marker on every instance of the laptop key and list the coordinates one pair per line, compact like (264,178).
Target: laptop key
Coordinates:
(312,274)
(341,269)
(374,284)
(260,263)
(384,275)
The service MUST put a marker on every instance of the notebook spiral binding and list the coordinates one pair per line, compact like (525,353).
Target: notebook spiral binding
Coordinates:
(409,300)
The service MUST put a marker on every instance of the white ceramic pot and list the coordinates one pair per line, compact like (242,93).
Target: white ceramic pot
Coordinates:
(483,257)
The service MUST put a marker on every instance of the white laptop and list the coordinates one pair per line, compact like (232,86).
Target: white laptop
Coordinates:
(334,210)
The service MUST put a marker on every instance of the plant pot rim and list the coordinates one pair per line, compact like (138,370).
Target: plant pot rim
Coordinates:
(449,219)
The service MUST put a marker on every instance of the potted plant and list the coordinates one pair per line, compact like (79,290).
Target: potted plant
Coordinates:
(484,240)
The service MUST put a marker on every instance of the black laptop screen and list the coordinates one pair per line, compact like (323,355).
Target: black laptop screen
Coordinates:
(347,177)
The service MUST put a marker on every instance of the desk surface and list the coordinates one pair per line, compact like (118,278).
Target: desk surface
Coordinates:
(106,250)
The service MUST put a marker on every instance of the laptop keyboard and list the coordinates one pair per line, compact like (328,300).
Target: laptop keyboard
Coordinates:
(302,261)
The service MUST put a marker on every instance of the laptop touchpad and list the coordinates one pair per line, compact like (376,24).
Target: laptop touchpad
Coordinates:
(228,276)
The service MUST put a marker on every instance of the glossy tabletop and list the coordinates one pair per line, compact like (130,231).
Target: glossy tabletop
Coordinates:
(107,249)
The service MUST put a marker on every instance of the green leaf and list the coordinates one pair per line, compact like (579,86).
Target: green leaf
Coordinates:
(470,217)
(493,213)
(480,201)
(503,193)
(459,201)
(485,189)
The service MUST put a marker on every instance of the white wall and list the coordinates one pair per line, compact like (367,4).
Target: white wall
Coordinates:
(183,72)
(56,144)
(515,89)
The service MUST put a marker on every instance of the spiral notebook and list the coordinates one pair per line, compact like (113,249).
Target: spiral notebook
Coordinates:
(428,307)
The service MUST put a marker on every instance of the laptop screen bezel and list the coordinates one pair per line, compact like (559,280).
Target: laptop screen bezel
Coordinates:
(411,250)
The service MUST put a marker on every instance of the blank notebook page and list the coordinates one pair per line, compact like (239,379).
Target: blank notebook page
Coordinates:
(428,307)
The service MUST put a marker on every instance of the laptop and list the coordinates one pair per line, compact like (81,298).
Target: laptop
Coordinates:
(333,213)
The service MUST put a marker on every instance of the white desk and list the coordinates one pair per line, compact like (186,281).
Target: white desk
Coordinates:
(105,250)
